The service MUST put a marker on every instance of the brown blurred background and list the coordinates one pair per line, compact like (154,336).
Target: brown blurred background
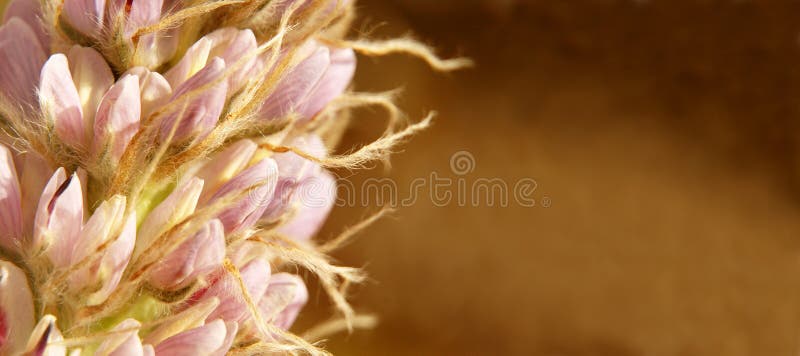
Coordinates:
(665,134)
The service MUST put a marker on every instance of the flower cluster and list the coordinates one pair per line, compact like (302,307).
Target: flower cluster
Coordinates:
(163,171)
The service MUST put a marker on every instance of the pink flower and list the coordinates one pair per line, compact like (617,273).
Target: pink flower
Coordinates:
(142,196)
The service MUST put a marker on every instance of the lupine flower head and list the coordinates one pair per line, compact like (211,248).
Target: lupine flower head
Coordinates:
(164,167)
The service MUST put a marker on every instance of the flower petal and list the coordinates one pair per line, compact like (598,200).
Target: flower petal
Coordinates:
(21,60)
(193,61)
(10,203)
(197,256)
(232,44)
(34,173)
(193,317)
(262,179)
(154,89)
(313,201)
(297,84)
(285,296)
(118,117)
(201,112)
(86,16)
(176,207)
(16,309)
(61,103)
(114,262)
(207,339)
(225,165)
(92,77)
(123,340)
(45,340)
(59,218)
(332,84)
(29,11)
(104,222)
(293,170)
(255,275)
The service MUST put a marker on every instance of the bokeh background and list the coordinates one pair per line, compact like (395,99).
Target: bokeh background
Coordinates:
(664,133)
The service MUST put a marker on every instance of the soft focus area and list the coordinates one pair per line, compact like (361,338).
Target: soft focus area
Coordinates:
(665,135)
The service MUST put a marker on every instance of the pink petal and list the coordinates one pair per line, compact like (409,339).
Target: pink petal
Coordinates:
(59,99)
(332,84)
(33,178)
(118,117)
(154,89)
(92,77)
(142,13)
(293,89)
(192,317)
(285,296)
(45,339)
(177,206)
(313,200)
(59,218)
(263,176)
(86,16)
(202,112)
(232,307)
(10,203)
(207,339)
(193,61)
(125,343)
(231,44)
(114,262)
(21,60)
(100,227)
(225,165)
(16,309)
(197,256)
(29,11)
(294,169)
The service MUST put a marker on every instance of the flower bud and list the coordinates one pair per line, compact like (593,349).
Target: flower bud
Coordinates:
(111,266)
(337,77)
(285,296)
(190,318)
(232,307)
(85,16)
(118,117)
(293,171)
(21,60)
(260,179)
(214,338)
(16,309)
(177,206)
(92,78)
(295,86)
(313,201)
(154,89)
(10,203)
(319,78)
(197,256)
(196,116)
(106,221)
(229,44)
(123,340)
(61,103)
(225,165)
(59,218)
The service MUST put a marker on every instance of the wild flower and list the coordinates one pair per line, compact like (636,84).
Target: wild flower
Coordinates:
(155,160)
